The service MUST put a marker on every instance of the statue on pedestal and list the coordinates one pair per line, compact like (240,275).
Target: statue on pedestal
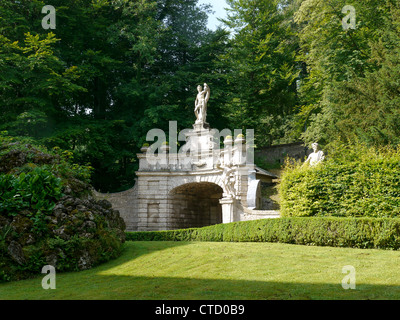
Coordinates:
(202,98)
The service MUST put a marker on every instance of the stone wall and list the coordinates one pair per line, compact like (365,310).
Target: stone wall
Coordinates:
(171,200)
(278,153)
(152,209)
(172,193)
(126,203)
(174,200)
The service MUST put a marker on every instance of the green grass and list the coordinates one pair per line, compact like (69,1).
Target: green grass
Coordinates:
(221,270)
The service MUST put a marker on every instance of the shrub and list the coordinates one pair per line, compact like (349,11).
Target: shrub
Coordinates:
(48,214)
(354,181)
(36,191)
(378,233)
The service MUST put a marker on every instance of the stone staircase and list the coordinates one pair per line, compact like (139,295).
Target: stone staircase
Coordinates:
(249,214)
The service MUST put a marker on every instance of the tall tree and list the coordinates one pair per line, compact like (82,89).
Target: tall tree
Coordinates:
(108,73)
(33,78)
(348,90)
(262,67)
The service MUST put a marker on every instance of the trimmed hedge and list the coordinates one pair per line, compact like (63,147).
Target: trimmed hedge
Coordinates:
(371,233)
(354,181)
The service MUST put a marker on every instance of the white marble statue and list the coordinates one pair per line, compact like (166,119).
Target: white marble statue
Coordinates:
(202,98)
(228,178)
(315,157)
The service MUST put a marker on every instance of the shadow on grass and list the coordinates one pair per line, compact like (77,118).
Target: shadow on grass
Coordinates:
(164,288)
(111,287)
(94,284)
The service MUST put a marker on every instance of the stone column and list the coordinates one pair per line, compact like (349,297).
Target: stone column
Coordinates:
(228,150)
(239,151)
(229,213)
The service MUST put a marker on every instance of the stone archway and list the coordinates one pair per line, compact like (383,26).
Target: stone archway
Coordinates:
(205,187)
(195,204)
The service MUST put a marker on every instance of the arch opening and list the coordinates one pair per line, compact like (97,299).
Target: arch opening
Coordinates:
(195,205)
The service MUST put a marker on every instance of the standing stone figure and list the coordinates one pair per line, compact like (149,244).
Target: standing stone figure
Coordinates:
(228,178)
(315,157)
(202,98)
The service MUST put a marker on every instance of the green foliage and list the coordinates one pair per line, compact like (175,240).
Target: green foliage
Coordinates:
(263,70)
(103,248)
(36,192)
(377,233)
(354,181)
(112,72)
(350,92)
(46,214)
(116,69)
(32,78)
(30,123)
(31,156)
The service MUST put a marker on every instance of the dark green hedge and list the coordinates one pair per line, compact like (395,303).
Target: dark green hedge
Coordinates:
(379,233)
(354,181)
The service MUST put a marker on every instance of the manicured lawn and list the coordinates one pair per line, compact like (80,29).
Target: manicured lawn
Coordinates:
(211,270)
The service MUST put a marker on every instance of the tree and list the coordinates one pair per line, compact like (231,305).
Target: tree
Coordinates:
(32,77)
(262,67)
(348,93)
(109,72)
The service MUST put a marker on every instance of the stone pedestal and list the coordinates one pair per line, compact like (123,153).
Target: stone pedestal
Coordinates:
(200,125)
(200,140)
(228,210)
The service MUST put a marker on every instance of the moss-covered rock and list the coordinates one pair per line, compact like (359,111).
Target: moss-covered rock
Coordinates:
(70,230)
